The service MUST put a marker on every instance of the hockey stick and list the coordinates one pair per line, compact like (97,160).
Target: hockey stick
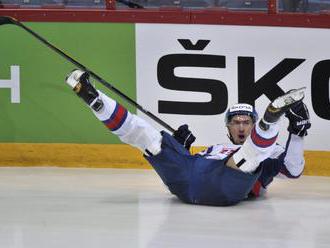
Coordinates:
(9,20)
(131,4)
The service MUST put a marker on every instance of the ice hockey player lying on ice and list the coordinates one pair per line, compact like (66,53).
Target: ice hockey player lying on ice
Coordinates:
(222,174)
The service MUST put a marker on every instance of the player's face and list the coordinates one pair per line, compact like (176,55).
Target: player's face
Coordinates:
(240,127)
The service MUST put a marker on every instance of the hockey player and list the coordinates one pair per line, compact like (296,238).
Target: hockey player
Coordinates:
(222,174)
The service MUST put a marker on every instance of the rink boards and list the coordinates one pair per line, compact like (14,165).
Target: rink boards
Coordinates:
(111,156)
(182,73)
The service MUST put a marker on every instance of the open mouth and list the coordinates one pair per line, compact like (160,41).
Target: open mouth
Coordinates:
(241,136)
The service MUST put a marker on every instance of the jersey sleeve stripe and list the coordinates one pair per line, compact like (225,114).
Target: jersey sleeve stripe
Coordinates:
(260,141)
(117,118)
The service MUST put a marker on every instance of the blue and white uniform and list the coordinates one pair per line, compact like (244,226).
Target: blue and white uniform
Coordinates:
(285,162)
(199,180)
(204,178)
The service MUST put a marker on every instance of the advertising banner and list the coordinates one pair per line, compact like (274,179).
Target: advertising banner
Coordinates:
(193,73)
(184,74)
(36,106)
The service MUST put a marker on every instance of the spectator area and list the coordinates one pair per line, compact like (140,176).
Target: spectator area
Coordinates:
(314,6)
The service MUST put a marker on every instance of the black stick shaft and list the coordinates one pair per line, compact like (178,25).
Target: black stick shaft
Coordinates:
(4,20)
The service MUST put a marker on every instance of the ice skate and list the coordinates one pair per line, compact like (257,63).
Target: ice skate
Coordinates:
(280,105)
(79,82)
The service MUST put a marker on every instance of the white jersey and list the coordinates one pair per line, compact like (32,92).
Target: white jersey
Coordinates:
(222,151)
(293,159)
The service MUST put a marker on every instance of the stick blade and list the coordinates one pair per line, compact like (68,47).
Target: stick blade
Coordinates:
(7,20)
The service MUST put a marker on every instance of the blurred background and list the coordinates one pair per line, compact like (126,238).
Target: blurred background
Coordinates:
(314,6)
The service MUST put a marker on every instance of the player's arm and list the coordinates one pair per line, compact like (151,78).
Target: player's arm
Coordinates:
(299,123)
(293,162)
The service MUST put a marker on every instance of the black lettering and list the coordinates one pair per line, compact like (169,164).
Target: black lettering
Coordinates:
(320,89)
(188,45)
(249,90)
(167,79)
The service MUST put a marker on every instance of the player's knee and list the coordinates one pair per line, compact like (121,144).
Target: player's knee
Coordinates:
(257,147)
(138,133)
(246,158)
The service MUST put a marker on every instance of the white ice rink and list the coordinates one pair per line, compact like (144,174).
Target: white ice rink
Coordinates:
(96,208)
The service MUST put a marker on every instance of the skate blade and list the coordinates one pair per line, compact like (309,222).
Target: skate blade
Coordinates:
(289,98)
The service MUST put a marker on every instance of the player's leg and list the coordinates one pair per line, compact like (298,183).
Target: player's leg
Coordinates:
(130,128)
(279,106)
(260,143)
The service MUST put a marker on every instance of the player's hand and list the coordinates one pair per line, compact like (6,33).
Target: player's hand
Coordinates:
(299,120)
(184,136)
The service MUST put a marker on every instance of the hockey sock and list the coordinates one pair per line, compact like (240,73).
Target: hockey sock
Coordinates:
(130,128)
(257,147)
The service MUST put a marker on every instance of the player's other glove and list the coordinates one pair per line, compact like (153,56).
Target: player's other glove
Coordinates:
(299,120)
(184,136)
